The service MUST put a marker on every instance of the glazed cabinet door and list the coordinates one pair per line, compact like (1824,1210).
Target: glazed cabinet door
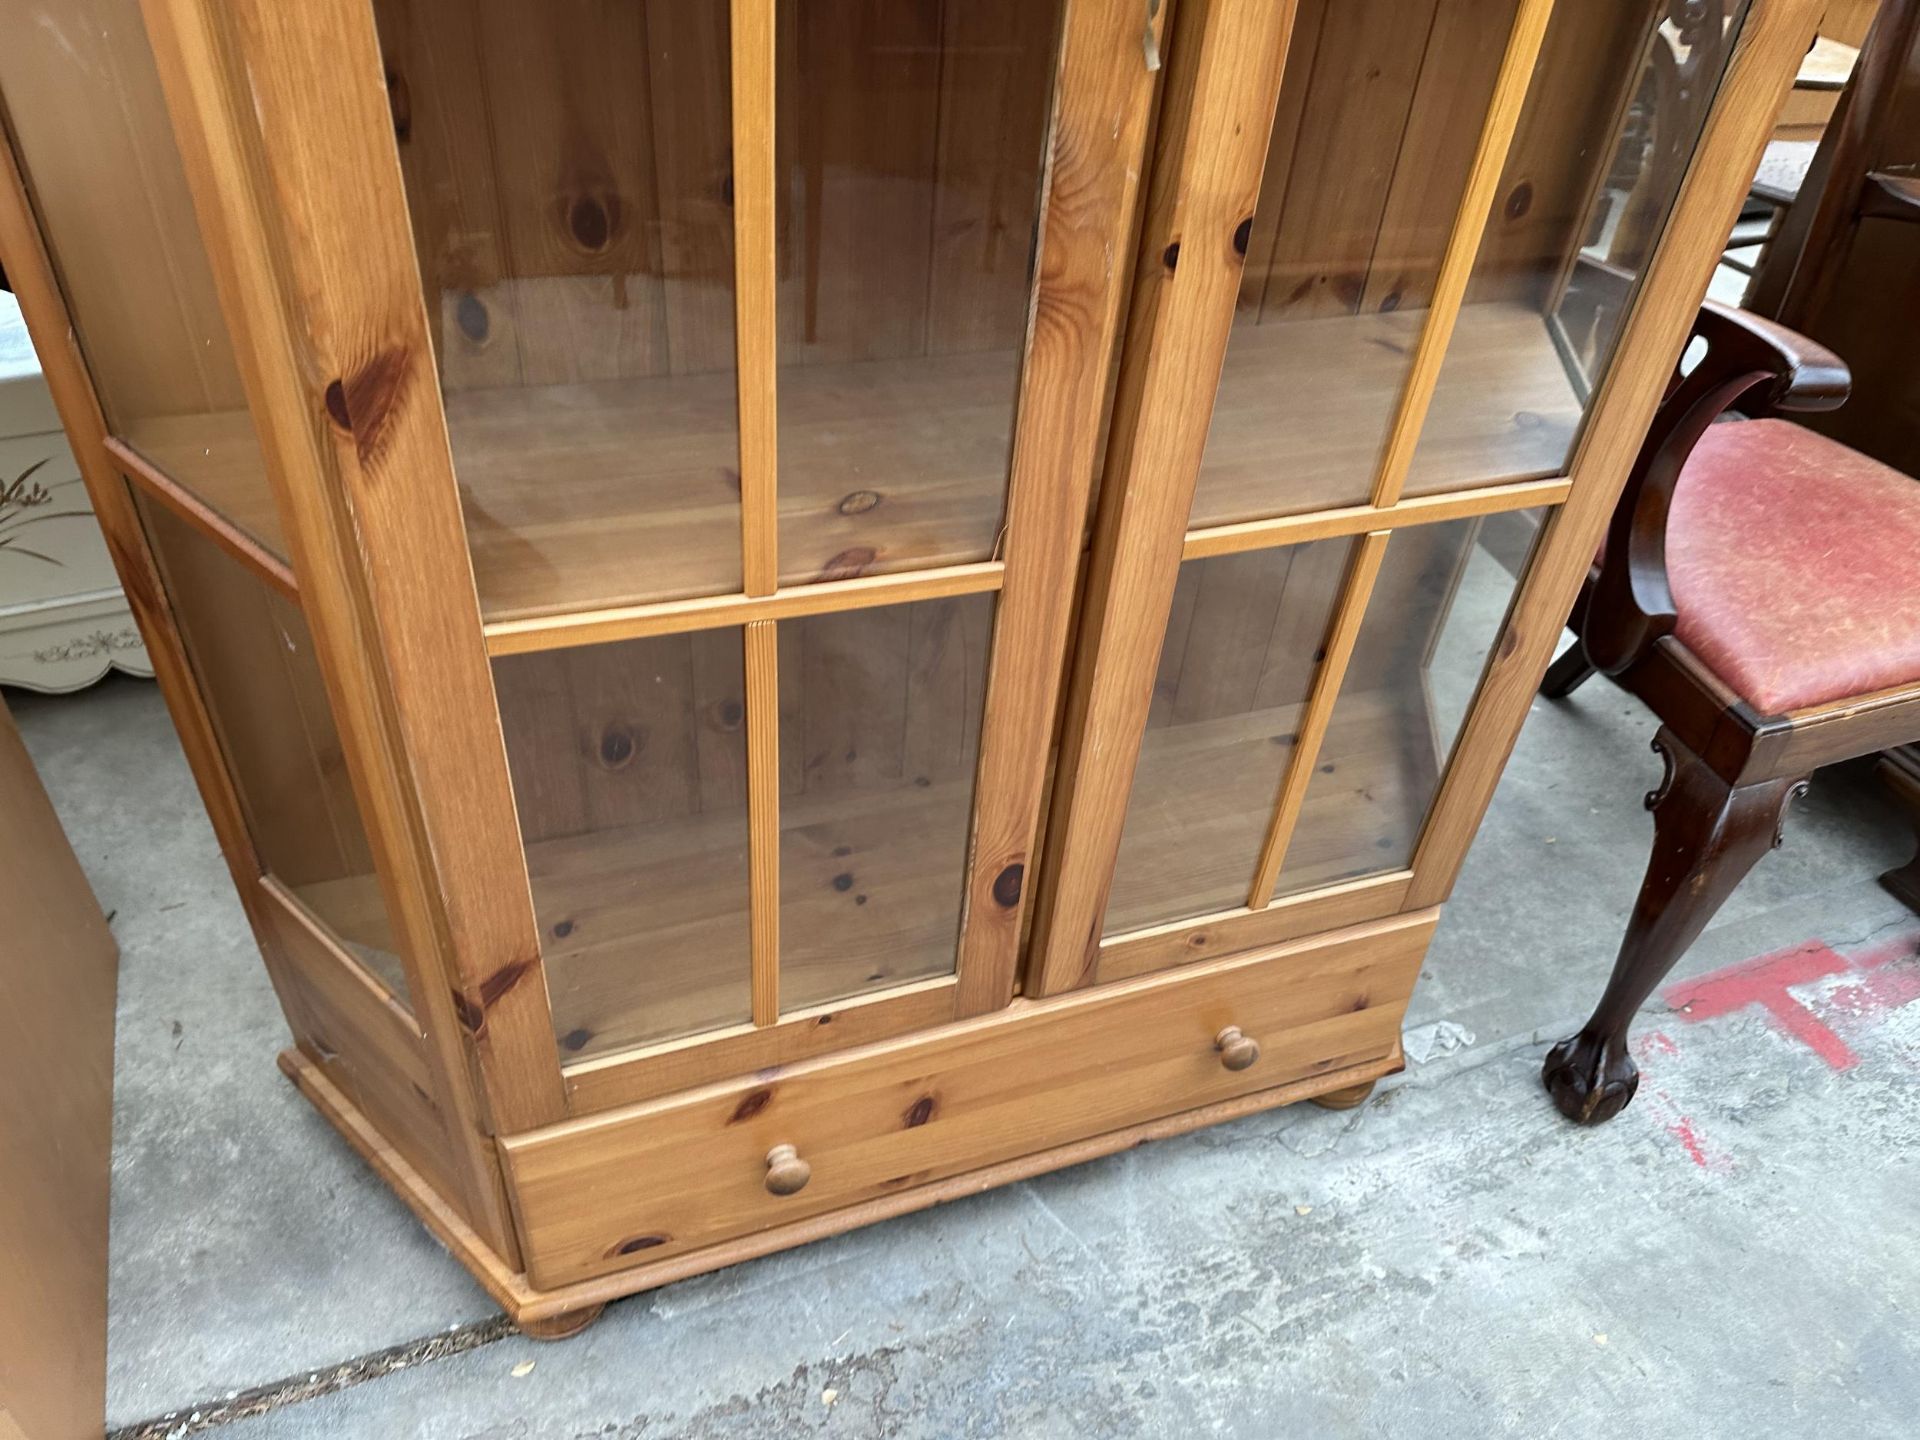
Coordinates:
(772,340)
(1408,273)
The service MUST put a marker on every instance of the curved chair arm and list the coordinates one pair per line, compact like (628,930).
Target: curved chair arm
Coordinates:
(1807,376)
(1764,368)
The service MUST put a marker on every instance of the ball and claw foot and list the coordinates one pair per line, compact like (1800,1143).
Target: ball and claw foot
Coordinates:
(563,1326)
(1590,1079)
(1350,1098)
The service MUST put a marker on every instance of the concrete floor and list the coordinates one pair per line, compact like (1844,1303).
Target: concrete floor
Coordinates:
(1733,1256)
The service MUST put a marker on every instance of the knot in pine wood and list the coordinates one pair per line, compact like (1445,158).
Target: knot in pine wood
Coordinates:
(751,1104)
(365,403)
(618,745)
(849,564)
(633,1245)
(474,1009)
(593,221)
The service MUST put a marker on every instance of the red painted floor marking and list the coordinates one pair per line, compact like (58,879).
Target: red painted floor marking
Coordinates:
(1880,977)
(1654,1042)
(1885,983)
(1682,1130)
(1870,982)
(1657,1044)
(1766,981)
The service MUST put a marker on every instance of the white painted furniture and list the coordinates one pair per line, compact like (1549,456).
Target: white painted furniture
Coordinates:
(63,621)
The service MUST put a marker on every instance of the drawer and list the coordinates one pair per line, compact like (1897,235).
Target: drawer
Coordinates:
(640,1185)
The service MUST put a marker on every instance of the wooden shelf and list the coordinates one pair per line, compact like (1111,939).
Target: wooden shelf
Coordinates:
(618,492)
(1305,405)
(644,927)
(583,496)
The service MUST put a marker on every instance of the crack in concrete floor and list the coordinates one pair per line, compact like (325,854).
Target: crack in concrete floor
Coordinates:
(294,1389)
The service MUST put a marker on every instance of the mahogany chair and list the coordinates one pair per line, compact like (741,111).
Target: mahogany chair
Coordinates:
(1759,590)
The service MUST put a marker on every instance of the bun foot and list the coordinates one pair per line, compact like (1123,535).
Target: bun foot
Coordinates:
(1590,1079)
(1348,1099)
(563,1326)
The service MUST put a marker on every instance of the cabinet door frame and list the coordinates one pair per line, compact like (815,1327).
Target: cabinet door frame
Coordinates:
(1101,106)
(1188,278)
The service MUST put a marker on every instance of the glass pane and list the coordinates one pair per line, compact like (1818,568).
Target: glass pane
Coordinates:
(90,127)
(253,658)
(1615,109)
(909,148)
(879,739)
(1243,642)
(1437,608)
(629,767)
(568,175)
(1380,112)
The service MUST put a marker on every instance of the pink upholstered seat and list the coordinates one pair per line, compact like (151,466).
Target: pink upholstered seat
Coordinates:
(1795,566)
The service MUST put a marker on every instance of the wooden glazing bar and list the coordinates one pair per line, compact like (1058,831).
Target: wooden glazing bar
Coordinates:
(713,612)
(1358,519)
(1759,74)
(763,817)
(1348,614)
(1103,94)
(1222,85)
(1456,266)
(756,326)
(318,279)
(207,521)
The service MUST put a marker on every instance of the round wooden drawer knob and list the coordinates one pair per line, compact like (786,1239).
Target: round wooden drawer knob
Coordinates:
(787,1173)
(1237,1051)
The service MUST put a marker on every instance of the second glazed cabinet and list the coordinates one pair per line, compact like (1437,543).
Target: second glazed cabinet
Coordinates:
(789,609)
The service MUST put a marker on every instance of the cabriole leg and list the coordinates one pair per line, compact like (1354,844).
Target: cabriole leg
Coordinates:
(1706,835)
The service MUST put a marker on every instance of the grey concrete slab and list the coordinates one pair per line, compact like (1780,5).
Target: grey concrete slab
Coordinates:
(249,1245)
(247,1242)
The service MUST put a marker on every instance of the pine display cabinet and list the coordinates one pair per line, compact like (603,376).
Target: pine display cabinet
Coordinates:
(788,610)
